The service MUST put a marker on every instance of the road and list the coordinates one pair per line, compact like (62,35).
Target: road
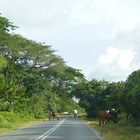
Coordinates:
(65,129)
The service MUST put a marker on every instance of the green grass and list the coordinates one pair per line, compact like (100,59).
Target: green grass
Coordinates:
(120,131)
(10,121)
(19,125)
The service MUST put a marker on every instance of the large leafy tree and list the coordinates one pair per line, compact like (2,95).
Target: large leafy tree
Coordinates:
(27,52)
(63,78)
(32,73)
(99,95)
(131,96)
(90,96)
(113,93)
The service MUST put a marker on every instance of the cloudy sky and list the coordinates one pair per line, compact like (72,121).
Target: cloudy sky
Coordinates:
(100,37)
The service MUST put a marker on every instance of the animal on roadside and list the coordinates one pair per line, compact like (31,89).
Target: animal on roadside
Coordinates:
(113,115)
(103,117)
(52,115)
(108,116)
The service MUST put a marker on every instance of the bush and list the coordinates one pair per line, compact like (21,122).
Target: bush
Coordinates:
(8,119)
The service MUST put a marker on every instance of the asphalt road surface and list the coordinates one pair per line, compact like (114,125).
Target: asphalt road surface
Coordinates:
(68,128)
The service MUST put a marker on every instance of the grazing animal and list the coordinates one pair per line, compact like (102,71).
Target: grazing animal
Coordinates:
(103,117)
(52,115)
(108,116)
(113,115)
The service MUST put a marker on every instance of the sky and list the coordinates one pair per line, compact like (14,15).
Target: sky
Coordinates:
(99,37)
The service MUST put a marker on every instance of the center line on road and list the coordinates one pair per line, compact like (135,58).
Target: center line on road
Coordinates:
(47,133)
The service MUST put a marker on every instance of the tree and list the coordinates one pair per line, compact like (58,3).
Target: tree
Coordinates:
(63,78)
(113,93)
(90,96)
(32,76)
(6,25)
(131,96)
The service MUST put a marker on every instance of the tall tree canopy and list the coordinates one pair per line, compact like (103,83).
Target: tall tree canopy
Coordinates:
(32,75)
(131,96)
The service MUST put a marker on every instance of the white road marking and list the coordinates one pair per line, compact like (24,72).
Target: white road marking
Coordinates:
(47,133)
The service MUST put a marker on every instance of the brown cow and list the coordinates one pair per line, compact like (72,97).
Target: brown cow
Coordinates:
(108,116)
(103,117)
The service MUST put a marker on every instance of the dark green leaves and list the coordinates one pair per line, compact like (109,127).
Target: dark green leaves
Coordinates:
(6,25)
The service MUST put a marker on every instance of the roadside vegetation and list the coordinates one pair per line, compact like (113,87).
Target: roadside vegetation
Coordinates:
(11,121)
(95,96)
(124,130)
(34,79)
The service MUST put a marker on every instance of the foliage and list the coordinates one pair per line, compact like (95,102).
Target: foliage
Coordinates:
(32,77)
(63,79)
(6,25)
(101,95)
(121,131)
(131,96)
(91,96)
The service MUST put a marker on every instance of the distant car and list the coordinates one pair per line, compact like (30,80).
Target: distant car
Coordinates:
(65,113)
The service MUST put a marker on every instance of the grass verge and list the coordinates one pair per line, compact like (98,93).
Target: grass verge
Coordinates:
(120,131)
(10,121)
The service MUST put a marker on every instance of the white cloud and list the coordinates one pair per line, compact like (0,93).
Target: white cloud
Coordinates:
(115,64)
(82,30)
(120,57)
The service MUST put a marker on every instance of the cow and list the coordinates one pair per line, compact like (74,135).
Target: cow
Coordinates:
(107,116)
(52,115)
(113,115)
(103,117)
